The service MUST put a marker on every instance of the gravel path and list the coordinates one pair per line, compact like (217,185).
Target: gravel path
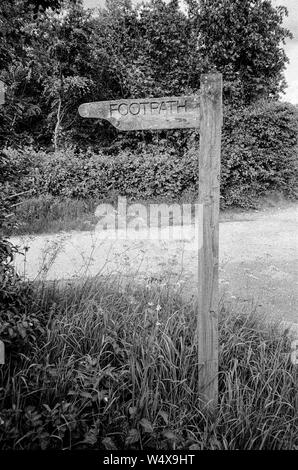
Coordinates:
(258,259)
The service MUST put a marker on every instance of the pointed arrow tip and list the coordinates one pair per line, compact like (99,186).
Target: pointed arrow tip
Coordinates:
(83,110)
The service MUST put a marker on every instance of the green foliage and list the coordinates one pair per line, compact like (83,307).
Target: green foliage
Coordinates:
(243,39)
(13,66)
(154,48)
(52,60)
(49,214)
(51,64)
(17,325)
(259,155)
(117,369)
(64,65)
(160,50)
(146,176)
(259,152)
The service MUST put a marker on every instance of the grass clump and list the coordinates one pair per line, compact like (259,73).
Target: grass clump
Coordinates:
(116,368)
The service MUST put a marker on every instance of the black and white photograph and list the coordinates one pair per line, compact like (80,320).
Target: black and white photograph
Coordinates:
(148,230)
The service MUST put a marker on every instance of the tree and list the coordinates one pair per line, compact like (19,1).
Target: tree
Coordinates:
(151,48)
(13,16)
(244,40)
(52,59)
(62,64)
(158,49)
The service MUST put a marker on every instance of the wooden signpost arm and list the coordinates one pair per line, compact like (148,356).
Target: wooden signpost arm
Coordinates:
(172,112)
(209,191)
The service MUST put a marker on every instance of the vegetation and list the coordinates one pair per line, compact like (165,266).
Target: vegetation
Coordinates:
(54,59)
(16,323)
(259,156)
(113,368)
(95,365)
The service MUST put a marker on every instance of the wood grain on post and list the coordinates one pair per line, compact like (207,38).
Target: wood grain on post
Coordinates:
(209,188)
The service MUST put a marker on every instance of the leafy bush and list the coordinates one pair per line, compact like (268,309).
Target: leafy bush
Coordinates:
(18,326)
(259,154)
(145,176)
(18,171)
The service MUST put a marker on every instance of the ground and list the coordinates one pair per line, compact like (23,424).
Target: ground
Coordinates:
(258,259)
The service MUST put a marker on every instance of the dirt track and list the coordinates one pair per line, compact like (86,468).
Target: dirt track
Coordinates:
(258,259)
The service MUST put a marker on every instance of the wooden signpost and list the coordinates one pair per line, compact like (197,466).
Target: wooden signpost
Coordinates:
(209,192)
(203,111)
(149,113)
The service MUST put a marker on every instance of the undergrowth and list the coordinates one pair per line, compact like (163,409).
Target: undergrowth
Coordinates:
(117,368)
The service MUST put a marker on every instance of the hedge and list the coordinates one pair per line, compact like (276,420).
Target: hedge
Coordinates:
(259,154)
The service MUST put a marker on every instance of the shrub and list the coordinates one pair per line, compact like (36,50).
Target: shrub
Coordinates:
(18,170)
(18,326)
(259,154)
(145,176)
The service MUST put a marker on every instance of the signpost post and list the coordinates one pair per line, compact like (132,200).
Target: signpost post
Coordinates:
(202,111)
(209,191)
(2,93)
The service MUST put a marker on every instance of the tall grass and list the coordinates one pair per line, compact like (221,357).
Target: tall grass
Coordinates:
(116,367)
(49,214)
